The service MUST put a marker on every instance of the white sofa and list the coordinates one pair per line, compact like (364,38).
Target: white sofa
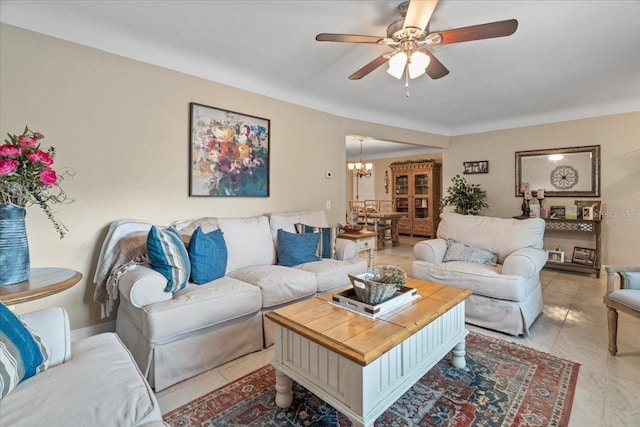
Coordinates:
(506,297)
(176,336)
(94,382)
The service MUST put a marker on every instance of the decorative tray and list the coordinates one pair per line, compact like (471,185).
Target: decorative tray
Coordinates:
(347,299)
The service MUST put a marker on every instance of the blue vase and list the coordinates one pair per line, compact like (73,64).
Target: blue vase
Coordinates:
(14,247)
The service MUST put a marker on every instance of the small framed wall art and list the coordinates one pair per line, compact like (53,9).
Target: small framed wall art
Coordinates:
(228,153)
(481,166)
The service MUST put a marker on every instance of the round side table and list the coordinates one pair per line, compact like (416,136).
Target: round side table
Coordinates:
(42,282)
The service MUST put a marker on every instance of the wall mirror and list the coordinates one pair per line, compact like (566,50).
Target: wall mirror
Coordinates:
(561,172)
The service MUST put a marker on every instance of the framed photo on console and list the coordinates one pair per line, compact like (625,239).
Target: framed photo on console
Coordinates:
(555,256)
(584,256)
(228,153)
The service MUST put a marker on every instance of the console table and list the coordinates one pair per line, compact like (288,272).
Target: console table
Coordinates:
(42,282)
(577,226)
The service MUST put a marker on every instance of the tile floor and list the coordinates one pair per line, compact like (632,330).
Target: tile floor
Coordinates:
(573,326)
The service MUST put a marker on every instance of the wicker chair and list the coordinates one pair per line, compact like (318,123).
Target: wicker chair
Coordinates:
(626,299)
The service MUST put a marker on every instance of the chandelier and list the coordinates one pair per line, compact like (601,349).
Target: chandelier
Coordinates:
(360,169)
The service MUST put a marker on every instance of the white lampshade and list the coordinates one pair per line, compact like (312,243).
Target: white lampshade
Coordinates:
(418,64)
(368,166)
(351,166)
(396,64)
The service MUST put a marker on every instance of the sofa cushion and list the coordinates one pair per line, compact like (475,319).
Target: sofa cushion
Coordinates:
(198,307)
(288,220)
(22,353)
(278,284)
(169,257)
(248,240)
(498,235)
(458,251)
(208,255)
(327,243)
(100,386)
(332,273)
(294,249)
(481,279)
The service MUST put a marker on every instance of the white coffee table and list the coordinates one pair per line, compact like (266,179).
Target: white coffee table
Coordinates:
(359,365)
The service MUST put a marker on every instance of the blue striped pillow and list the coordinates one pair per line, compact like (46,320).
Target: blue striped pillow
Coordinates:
(169,257)
(328,235)
(22,353)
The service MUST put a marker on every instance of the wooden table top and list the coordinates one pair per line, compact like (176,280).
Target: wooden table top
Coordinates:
(387,214)
(42,282)
(357,234)
(360,338)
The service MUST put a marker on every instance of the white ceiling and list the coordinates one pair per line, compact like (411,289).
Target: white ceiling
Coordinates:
(567,60)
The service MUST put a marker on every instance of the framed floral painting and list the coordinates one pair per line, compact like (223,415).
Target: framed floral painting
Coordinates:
(228,153)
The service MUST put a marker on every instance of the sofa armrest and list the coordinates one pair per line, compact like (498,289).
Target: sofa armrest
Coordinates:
(525,262)
(430,250)
(346,249)
(52,325)
(142,286)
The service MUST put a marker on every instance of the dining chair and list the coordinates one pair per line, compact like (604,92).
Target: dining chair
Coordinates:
(358,206)
(625,299)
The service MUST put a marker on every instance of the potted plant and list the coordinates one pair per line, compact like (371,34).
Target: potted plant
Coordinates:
(466,198)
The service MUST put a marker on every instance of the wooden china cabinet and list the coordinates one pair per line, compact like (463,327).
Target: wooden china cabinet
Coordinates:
(416,191)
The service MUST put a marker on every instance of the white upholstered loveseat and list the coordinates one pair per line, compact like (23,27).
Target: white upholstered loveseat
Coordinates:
(92,382)
(174,336)
(507,297)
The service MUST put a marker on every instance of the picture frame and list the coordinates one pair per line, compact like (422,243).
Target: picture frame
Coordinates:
(556,212)
(595,204)
(555,256)
(584,256)
(481,166)
(562,172)
(587,213)
(228,153)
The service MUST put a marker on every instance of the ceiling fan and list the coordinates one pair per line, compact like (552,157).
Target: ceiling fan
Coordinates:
(410,37)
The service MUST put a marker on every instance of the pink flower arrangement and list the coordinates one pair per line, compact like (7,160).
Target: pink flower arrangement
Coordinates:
(26,175)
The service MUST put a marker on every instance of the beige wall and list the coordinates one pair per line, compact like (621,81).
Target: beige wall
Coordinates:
(122,125)
(619,138)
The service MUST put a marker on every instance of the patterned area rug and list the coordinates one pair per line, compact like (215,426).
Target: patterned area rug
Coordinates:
(503,384)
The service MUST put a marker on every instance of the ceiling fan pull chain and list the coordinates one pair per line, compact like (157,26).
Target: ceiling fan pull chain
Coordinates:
(406,82)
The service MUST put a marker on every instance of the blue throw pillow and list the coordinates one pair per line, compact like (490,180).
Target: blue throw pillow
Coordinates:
(327,244)
(208,254)
(169,257)
(294,248)
(22,353)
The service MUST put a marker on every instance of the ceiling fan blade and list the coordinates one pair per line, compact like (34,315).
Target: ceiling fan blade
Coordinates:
(479,32)
(347,38)
(369,67)
(419,13)
(435,69)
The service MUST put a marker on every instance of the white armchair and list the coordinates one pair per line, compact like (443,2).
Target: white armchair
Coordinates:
(507,297)
(92,382)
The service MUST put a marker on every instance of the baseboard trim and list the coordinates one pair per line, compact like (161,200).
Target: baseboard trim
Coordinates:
(78,334)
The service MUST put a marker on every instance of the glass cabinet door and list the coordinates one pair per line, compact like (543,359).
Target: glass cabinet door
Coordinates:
(402,204)
(402,184)
(421,207)
(421,184)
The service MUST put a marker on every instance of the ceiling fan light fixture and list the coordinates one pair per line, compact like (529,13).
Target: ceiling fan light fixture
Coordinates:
(396,64)
(418,64)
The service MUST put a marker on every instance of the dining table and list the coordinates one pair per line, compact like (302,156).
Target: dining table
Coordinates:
(392,217)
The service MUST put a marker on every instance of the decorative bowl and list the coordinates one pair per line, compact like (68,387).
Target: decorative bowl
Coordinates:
(377,284)
(355,227)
